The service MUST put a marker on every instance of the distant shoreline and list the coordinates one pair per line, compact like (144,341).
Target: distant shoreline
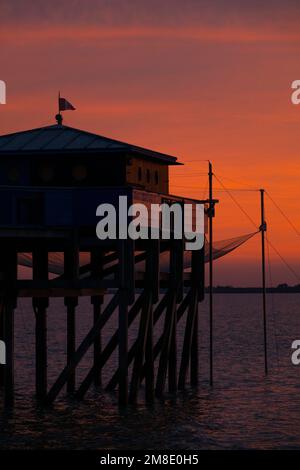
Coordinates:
(255,290)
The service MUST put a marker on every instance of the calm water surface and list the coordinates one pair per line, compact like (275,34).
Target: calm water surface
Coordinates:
(243,410)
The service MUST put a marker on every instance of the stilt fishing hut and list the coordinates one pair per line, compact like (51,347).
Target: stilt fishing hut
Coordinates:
(52,179)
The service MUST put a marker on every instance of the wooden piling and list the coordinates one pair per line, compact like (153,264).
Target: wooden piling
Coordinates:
(107,352)
(166,342)
(40,305)
(197,281)
(144,344)
(97,304)
(123,347)
(8,269)
(2,366)
(9,342)
(143,352)
(140,349)
(188,341)
(195,347)
(71,304)
(126,256)
(132,352)
(176,281)
(82,349)
(149,362)
(71,272)
(97,301)
(123,325)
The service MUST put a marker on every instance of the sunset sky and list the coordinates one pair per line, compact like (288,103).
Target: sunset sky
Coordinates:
(196,79)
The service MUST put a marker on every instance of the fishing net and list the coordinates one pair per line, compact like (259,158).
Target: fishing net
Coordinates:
(220,248)
(223,247)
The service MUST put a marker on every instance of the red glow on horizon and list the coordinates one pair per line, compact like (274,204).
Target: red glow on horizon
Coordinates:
(218,93)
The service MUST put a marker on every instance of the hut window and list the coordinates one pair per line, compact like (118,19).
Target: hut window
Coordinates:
(148,176)
(140,174)
(156,177)
(79,172)
(46,173)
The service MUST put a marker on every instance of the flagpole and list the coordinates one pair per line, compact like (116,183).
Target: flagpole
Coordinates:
(59,117)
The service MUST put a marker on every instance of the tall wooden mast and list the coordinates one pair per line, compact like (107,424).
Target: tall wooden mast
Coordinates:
(211,214)
(263,228)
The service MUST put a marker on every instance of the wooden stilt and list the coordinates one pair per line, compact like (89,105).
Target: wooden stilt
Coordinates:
(140,349)
(108,350)
(2,366)
(180,312)
(165,351)
(176,272)
(172,374)
(142,353)
(41,351)
(195,348)
(9,343)
(154,272)
(188,339)
(197,280)
(97,301)
(71,339)
(9,275)
(123,347)
(132,352)
(127,296)
(82,349)
(71,272)
(149,362)
(40,272)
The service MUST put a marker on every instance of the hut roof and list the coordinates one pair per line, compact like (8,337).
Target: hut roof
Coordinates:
(64,139)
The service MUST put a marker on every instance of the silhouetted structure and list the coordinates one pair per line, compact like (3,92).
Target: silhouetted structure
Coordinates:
(51,181)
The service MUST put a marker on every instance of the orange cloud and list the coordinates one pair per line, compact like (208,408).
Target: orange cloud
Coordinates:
(222,34)
(198,92)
